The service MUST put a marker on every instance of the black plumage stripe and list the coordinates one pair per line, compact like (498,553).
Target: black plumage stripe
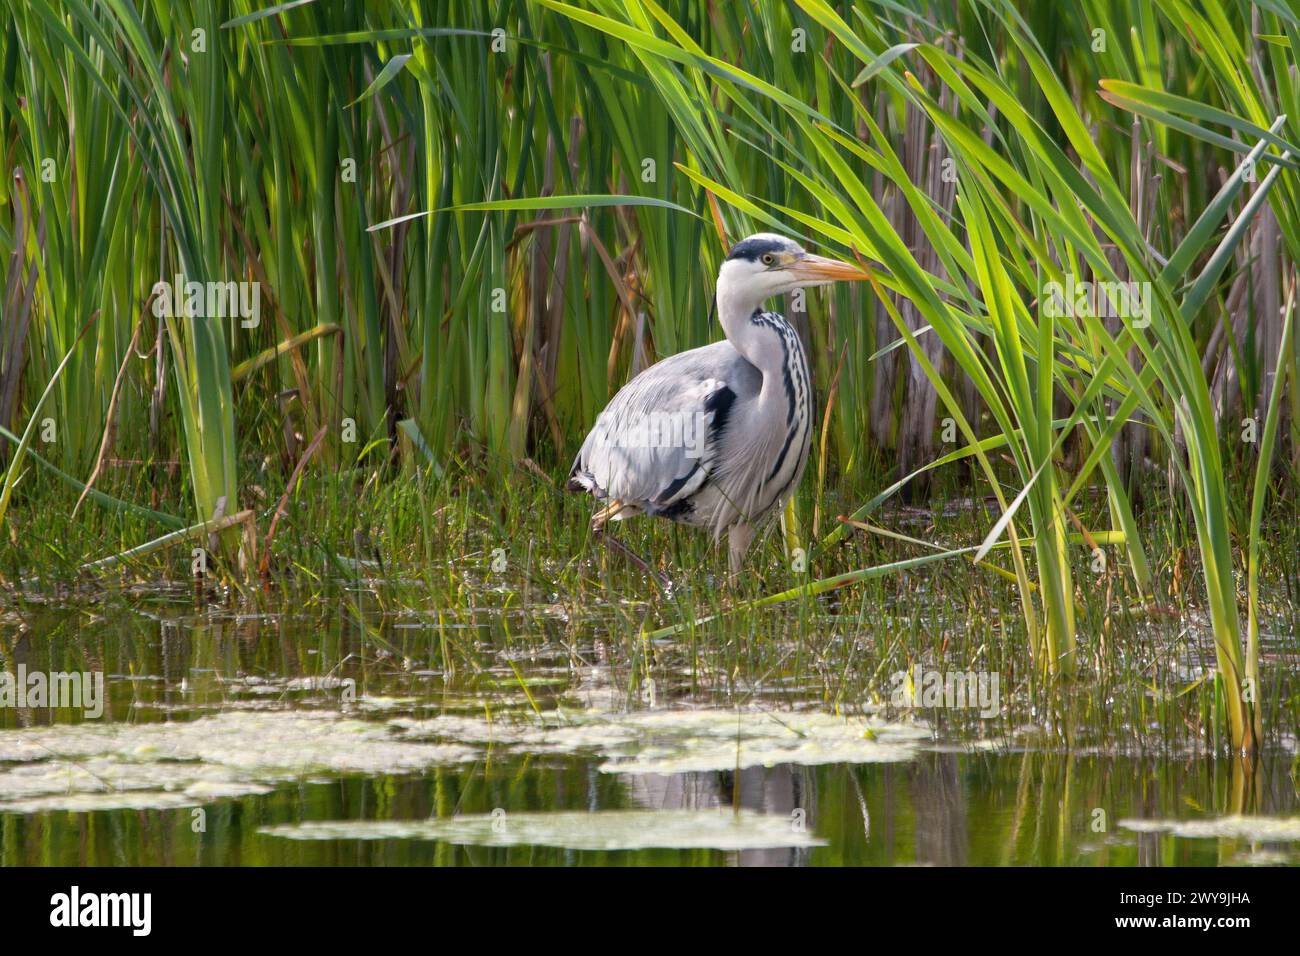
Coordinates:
(675,486)
(719,403)
(794,371)
(678,510)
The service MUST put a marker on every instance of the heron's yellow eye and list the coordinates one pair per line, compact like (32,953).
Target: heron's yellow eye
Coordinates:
(769,259)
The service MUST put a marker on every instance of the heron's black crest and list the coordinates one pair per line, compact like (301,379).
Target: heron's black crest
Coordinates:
(756,246)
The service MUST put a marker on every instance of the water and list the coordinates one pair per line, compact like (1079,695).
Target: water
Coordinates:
(323,735)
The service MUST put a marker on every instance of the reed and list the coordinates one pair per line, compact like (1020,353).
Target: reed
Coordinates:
(468,225)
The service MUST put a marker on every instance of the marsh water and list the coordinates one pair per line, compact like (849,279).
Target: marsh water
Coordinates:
(323,734)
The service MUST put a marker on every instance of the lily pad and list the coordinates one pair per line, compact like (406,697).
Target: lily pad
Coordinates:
(722,829)
(680,741)
(1262,829)
(91,802)
(229,754)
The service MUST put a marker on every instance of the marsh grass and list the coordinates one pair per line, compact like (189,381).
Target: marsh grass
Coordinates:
(353,556)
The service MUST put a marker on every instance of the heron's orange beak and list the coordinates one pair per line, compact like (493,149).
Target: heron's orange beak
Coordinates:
(820,269)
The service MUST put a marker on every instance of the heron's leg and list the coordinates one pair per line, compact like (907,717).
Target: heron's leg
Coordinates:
(738,538)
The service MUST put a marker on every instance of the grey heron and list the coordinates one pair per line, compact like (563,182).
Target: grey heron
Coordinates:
(716,437)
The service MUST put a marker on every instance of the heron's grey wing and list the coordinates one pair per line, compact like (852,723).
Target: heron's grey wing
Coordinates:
(653,445)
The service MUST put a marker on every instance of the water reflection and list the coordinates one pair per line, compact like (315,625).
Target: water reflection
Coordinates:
(996,803)
(942,809)
(777,791)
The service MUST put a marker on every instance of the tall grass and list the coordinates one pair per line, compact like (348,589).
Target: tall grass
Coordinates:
(471,223)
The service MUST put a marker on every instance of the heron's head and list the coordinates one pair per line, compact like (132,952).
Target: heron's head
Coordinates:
(765,264)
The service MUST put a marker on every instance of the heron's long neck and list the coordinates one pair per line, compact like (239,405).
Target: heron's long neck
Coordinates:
(752,340)
(771,345)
